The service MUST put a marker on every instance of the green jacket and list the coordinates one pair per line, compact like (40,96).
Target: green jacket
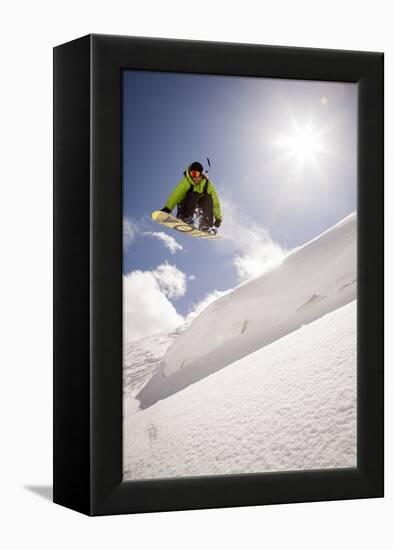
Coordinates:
(185,185)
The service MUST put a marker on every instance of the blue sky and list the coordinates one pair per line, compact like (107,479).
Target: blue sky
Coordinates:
(283,156)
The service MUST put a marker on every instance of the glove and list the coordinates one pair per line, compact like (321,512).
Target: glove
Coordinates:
(217,223)
(165,209)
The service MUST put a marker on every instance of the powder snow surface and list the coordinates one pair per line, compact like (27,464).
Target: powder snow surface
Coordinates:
(264,379)
(289,406)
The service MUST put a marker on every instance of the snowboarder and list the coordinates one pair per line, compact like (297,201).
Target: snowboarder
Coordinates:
(195,196)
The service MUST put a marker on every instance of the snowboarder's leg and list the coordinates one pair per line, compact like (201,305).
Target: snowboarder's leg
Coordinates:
(206,210)
(188,206)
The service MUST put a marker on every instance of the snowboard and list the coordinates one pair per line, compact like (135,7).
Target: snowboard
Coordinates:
(174,223)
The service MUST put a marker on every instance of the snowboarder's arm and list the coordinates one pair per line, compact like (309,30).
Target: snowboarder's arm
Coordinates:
(177,194)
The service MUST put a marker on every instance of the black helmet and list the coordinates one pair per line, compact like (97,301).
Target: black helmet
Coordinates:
(196,166)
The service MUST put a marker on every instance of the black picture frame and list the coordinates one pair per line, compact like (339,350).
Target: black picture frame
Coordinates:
(88,274)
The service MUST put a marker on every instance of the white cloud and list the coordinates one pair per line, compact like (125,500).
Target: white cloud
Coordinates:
(130,230)
(147,309)
(171,280)
(255,251)
(259,255)
(168,241)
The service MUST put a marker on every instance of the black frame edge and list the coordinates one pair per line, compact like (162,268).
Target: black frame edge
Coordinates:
(236,491)
(71,272)
(371,274)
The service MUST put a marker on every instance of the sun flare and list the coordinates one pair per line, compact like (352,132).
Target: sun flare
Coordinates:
(303,145)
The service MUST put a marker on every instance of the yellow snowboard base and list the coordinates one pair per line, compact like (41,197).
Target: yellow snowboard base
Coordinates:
(174,223)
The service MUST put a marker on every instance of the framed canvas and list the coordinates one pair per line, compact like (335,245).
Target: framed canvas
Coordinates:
(218,275)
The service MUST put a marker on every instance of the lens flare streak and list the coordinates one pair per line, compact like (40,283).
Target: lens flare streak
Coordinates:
(304,145)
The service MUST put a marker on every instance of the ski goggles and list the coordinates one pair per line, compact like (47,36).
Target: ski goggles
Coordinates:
(195,173)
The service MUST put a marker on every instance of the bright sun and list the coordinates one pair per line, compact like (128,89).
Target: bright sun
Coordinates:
(303,145)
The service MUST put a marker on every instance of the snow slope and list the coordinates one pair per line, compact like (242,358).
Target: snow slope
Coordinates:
(287,406)
(312,281)
(141,359)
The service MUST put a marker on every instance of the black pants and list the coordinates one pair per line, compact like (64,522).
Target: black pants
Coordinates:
(193,201)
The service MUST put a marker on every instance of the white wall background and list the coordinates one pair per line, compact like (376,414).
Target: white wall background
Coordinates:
(28,31)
